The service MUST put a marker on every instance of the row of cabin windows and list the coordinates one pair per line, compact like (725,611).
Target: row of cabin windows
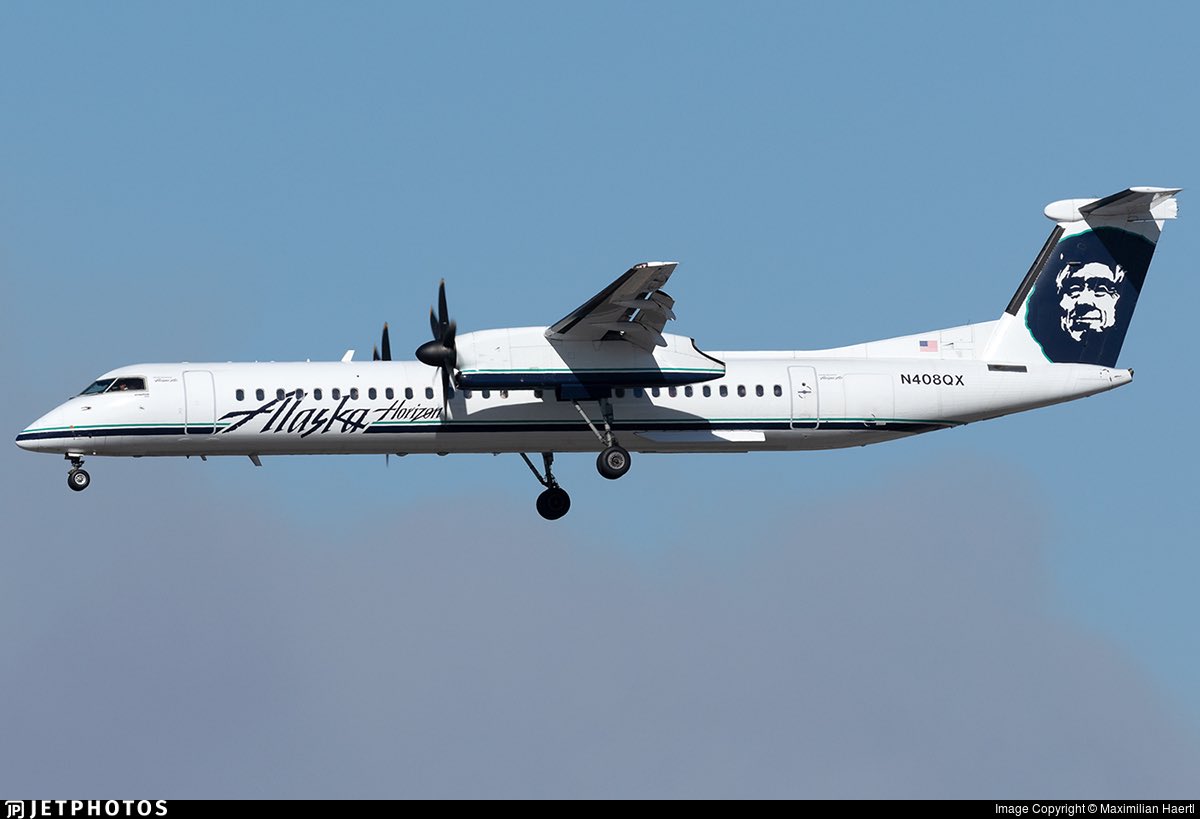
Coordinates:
(637,392)
(335,393)
(706,391)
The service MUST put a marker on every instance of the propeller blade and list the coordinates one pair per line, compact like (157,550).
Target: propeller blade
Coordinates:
(386,344)
(445,389)
(433,325)
(374,353)
(443,311)
(448,343)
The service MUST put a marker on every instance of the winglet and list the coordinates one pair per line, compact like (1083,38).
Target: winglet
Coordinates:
(349,356)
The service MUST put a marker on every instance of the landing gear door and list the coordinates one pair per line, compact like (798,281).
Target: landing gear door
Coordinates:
(805,413)
(200,402)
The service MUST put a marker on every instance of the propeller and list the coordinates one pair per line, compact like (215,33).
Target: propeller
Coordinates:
(387,347)
(440,351)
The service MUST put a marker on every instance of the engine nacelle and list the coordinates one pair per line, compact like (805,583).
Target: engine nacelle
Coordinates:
(522,358)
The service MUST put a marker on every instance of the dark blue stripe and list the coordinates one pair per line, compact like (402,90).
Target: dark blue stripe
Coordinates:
(650,426)
(106,432)
(475,427)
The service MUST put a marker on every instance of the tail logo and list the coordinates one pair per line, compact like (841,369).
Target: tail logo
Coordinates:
(1080,307)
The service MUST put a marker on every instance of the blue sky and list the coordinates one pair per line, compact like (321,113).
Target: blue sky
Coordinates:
(272,182)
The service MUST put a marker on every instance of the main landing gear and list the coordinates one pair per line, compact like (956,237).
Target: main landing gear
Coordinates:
(613,461)
(77,478)
(554,502)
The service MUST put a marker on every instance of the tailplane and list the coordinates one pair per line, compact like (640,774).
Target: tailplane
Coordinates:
(1077,299)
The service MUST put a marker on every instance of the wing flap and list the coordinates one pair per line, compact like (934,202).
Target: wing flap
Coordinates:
(631,309)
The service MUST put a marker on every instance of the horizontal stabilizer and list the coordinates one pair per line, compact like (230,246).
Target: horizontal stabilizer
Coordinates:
(1135,204)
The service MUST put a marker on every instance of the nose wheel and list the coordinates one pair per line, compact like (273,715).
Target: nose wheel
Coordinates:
(554,502)
(78,479)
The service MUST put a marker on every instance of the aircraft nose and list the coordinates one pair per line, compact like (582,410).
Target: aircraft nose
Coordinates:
(33,437)
(27,440)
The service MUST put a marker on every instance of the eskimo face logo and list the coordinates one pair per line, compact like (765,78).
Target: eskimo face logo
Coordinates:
(1080,306)
(1088,295)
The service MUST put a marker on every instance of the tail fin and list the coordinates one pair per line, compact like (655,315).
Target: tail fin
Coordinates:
(1076,301)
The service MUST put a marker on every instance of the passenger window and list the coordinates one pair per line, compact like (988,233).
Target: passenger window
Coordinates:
(279,395)
(299,394)
(487,393)
(707,390)
(778,391)
(654,391)
(371,393)
(317,394)
(758,391)
(129,385)
(408,393)
(429,392)
(259,394)
(638,392)
(741,391)
(240,395)
(354,393)
(687,392)
(672,392)
(503,394)
(620,392)
(466,393)
(724,391)
(335,393)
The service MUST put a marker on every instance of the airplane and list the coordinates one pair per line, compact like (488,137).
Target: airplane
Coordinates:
(606,378)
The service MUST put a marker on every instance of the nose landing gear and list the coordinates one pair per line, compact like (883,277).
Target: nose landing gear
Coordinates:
(77,478)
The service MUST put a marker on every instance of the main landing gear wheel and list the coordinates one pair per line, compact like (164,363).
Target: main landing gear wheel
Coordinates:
(78,480)
(614,458)
(613,462)
(553,503)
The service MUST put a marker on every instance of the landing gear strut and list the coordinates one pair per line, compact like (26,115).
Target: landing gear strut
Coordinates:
(613,461)
(554,502)
(77,478)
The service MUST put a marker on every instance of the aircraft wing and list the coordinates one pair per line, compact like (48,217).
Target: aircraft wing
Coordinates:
(633,308)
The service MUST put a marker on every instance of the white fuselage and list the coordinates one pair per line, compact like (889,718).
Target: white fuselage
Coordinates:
(765,401)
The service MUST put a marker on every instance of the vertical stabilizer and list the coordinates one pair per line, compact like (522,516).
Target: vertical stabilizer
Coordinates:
(1075,303)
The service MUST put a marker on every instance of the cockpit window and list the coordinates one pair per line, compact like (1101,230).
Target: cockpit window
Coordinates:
(116,385)
(99,386)
(129,385)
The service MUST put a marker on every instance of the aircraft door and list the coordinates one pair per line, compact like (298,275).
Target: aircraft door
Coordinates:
(200,403)
(805,413)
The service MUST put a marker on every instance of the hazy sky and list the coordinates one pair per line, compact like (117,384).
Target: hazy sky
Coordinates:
(1002,610)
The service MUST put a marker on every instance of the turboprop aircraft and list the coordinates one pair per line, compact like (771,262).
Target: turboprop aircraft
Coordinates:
(607,378)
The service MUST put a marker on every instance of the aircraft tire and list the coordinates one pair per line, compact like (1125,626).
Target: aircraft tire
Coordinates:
(613,462)
(78,480)
(553,503)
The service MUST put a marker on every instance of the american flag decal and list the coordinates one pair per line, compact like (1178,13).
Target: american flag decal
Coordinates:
(929,347)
